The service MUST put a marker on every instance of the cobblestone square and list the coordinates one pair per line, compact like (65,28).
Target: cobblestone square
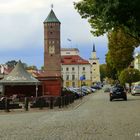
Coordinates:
(92,118)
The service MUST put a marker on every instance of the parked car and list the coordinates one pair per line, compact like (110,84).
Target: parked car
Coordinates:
(77,92)
(66,91)
(118,92)
(86,89)
(96,87)
(135,90)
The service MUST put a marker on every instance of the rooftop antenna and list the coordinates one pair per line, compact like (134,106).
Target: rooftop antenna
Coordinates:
(51,6)
(70,42)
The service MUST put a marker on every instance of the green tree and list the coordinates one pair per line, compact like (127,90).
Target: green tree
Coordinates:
(103,71)
(33,67)
(105,15)
(129,75)
(42,68)
(107,72)
(111,70)
(121,47)
(11,64)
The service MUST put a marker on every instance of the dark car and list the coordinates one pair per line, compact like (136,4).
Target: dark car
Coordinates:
(118,92)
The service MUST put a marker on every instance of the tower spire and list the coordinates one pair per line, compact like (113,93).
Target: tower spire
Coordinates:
(51,6)
(94,48)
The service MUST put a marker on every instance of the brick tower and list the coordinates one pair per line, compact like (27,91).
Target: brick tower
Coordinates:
(51,76)
(52,55)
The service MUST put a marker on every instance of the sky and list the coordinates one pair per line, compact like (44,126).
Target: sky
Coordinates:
(22,32)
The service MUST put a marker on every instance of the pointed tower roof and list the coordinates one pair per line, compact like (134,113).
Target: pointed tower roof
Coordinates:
(93,48)
(51,17)
(19,76)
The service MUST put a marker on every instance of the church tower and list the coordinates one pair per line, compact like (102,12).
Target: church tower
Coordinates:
(95,66)
(52,55)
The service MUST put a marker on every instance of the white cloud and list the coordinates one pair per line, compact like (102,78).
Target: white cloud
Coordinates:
(26,6)
(21,24)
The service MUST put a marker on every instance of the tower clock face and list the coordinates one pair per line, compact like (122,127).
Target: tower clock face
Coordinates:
(51,49)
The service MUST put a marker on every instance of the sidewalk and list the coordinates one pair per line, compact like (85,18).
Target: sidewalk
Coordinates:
(74,105)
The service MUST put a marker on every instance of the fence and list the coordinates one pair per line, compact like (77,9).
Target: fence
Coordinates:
(39,102)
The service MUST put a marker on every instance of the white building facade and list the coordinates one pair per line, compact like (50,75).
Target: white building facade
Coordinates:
(73,67)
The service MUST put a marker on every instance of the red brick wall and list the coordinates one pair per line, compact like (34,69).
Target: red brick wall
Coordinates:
(51,86)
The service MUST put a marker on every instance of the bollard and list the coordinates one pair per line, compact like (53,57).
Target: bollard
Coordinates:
(62,101)
(41,103)
(65,100)
(6,105)
(68,99)
(59,102)
(26,104)
(51,102)
(73,98)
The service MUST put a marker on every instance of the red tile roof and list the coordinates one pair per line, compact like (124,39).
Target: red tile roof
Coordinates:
(6,70)
(72,60)
(42,73)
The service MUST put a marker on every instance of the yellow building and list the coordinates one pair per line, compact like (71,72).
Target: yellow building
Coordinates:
(95,66)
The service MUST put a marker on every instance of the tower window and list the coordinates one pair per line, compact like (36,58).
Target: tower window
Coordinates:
(67,69)
(94,63)
(84,68)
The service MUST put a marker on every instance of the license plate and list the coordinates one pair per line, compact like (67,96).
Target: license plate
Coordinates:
(118,92)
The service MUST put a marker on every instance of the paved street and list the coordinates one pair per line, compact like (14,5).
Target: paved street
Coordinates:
(93,118)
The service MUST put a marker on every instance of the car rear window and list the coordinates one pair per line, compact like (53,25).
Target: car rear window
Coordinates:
(138,87)
(118,89)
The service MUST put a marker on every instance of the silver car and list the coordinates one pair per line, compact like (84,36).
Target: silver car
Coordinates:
(135,90)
